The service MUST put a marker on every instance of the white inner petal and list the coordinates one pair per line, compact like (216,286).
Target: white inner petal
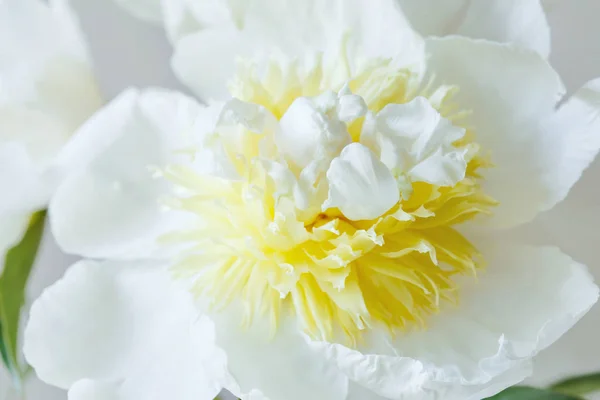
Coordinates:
(360,185)
(414,139)
(308,131)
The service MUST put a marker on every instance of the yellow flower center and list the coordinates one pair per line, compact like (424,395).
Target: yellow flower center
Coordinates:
(337,276)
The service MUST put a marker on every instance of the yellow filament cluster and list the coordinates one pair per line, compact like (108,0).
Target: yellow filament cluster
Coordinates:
(338,277)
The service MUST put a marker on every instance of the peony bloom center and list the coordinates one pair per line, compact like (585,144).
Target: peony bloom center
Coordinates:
(332,197)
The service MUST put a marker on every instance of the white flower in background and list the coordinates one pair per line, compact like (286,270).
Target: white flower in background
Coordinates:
(47,90)
(339,228)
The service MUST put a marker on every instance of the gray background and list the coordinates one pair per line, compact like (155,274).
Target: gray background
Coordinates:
(129,52)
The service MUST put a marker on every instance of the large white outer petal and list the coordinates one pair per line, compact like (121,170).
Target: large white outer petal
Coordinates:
(264,366)
(357,392)
(537,151)
(578,121)
(88,389)
(112,331)
(481,346)
(111,206)
(522,22)
(432,17)
(205,60)
(572,225)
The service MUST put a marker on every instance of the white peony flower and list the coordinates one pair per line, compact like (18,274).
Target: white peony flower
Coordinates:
(339,227)
(47,90)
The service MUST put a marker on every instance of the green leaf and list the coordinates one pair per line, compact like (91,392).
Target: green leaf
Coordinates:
(530,393)
(3,349)
(579,385)
(17,267)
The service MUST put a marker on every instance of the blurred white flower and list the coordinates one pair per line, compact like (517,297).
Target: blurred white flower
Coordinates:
(316,234)
(47,89)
